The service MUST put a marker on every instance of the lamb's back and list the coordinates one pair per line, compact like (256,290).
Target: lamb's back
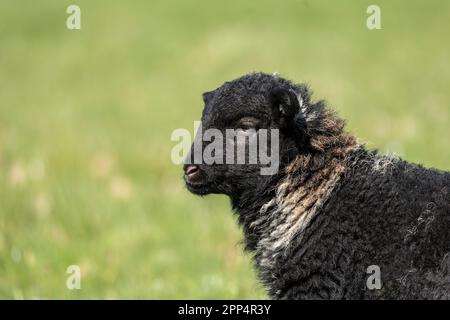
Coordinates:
(401,216)
(384,212)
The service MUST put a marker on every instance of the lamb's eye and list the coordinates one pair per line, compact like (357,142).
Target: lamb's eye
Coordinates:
(248,123)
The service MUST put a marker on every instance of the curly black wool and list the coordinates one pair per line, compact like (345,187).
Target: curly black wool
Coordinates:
(334,208)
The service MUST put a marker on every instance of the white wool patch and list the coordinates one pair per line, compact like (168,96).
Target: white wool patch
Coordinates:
(288,219)
(383,163)
(309,115)
(301,103)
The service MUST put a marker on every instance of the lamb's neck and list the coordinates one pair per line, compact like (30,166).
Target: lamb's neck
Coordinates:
(274,217)
(248,206)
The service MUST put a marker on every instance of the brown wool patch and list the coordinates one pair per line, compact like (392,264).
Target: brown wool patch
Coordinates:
(309,182)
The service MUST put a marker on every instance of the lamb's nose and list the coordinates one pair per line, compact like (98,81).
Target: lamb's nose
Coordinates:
(191,170)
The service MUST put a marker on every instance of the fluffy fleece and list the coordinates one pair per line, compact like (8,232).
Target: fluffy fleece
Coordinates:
(334,208)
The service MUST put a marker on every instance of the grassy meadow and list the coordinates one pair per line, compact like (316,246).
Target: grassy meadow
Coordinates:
(86,116)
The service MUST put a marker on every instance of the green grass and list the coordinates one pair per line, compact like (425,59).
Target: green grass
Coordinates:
(86,118)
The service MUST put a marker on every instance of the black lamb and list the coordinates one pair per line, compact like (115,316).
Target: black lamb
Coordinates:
(334,208)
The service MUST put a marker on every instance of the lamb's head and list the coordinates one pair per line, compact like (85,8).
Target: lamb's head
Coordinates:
(256,109)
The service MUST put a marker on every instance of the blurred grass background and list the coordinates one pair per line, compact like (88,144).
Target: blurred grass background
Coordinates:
(86,118)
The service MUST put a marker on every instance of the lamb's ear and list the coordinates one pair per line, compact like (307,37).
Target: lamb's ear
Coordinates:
(207,96)
(286,107)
